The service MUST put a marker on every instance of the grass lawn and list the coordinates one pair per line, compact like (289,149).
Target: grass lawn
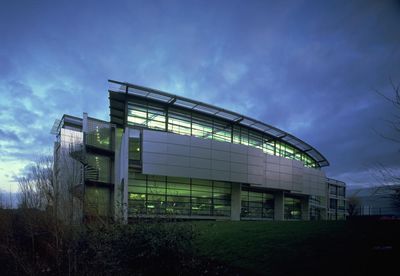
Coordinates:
(300,248)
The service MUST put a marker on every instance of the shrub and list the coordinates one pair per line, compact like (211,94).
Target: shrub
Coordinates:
(32,242)
(144,248)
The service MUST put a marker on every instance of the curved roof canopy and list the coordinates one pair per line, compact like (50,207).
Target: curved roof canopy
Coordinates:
(117,114)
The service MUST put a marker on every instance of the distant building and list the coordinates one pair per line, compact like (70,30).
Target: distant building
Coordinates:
(164,155)
(375,201)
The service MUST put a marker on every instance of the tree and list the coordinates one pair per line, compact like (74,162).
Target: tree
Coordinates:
(389,176)
(68,182)
(37,185)
(47,201)
(353,206)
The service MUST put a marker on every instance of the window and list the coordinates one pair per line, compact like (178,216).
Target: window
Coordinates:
(236,135)
(98,168)
(269,146)
(341,191)
(257,204)
(341,205)
(292,208)
(333,190)
(333,203)
(184,122)
(71,139)
(134,149)
(146,115)
(202,127)
(255,140)
(222,131)
(99,134)
(97,201)
(152,195)
(179,122)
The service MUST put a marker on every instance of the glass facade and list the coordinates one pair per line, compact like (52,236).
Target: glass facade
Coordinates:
(152,195)
(99,134)
(164,195)
(292,208)
(341,191)
(257,204)
(333,203)
(70,138)
(336,202)
(98,168)
(97,201)
(336,190)
(150,115)
(317,205)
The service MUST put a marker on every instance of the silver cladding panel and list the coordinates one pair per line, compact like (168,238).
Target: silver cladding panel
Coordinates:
(171,154)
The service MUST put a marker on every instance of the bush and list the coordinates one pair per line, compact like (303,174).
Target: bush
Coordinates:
(144,248)
(32,242)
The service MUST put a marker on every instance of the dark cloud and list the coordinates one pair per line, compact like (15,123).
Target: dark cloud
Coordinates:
(9,136)
(307,67)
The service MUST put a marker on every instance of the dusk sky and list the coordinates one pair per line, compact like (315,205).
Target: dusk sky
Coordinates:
(307,67)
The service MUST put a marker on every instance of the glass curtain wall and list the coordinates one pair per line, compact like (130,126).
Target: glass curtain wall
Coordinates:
(98,168)
(99,134)
(292,208)
(164,195)
(150,115)
(97,201)
(317,207)
(257,204)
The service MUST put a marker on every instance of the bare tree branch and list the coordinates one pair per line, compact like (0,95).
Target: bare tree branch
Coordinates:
(390,177)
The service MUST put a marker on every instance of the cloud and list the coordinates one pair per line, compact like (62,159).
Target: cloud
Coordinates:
(9,136)
(307,68)
(234,72)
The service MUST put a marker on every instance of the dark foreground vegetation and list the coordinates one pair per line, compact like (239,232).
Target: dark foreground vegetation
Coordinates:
(32,243)
(369,247)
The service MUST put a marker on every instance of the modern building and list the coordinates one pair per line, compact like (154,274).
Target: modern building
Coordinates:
(336,193)
(163,155)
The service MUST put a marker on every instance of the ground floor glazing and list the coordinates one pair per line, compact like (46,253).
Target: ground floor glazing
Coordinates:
(152,195)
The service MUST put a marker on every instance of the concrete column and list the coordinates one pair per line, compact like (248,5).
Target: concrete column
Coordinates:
(117,178)
(84,133)
(236,202)
(279,210)
(85,129)
(124,157)
(305,208)
(85,122)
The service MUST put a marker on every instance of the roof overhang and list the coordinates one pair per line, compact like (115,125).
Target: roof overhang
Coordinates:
(119,92)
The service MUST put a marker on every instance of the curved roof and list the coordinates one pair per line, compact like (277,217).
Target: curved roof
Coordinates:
(117,114)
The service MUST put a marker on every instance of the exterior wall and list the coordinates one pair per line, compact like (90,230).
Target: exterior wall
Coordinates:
(235,201)
(242,154)
(169,154)
(121,175)
(279,206)
(68,177)
(335,199)
(102,168)
(185,156)
(305,209)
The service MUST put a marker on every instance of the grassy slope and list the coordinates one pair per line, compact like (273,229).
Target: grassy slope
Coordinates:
(281,248)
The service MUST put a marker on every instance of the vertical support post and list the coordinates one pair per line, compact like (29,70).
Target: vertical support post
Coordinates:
(124,172)
(305,208)
(85,128)
(117,177)
(236,203)
(279,206)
